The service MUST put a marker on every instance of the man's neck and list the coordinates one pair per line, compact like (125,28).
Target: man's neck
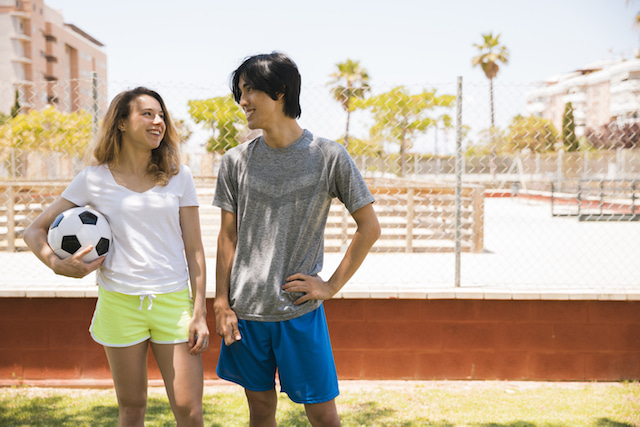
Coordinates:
(283,135)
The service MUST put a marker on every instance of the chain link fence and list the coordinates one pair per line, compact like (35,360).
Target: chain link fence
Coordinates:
(544,198)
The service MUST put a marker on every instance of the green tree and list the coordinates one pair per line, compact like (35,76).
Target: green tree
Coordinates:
(532,133)
(224,117)
(399,116)
(362,147)
(569,140)
(349,82)
(48,129)
(15,108)
(447,122)
(636,19)
(45,130)
(183,128)
(491,52)
(4,118)
(489,142)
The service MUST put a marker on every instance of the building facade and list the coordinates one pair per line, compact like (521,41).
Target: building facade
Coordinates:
(606,93)
(45,61)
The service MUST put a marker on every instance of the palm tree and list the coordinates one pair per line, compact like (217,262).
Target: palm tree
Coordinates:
(491,52)
(350,82)
(636,20)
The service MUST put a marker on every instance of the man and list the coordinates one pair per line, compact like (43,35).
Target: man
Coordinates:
(274,193)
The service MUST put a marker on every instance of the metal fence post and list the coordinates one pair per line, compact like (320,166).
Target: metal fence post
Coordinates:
(458,234)
(477,239)
(579,197)
(633,197)
(11,219)
(410,219)
(551,198)
(13,162)
(585,167)
(559,174)
(94,105)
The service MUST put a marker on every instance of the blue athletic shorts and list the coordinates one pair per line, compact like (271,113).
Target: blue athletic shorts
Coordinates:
(300,350)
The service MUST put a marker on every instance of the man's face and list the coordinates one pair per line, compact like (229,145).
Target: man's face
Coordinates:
(262,112)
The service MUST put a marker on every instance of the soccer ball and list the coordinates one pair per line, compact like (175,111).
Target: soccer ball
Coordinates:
(80,227)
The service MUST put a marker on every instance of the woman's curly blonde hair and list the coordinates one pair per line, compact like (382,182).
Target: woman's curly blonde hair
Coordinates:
(165,160)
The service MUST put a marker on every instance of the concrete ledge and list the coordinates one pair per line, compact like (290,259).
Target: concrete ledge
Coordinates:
(91,291)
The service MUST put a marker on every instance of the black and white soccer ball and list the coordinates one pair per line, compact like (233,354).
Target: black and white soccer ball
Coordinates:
(80,227)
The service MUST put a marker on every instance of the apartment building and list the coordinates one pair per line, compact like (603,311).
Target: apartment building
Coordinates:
(47,61)
(600,94)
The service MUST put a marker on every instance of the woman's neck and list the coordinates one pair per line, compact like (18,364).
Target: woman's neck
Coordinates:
(132,163)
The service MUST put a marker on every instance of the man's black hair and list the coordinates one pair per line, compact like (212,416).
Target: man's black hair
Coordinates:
(274,73)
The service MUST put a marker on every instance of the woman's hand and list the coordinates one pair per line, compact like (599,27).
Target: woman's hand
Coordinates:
(198,334)
(74,266)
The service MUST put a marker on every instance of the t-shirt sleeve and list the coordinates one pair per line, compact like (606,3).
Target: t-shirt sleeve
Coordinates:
(347,183)
(189,194)
(226,186)
(77,192)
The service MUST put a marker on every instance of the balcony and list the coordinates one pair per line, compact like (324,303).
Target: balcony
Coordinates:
(578,98)
(579,116)
(22,37)
(626,108)
(536,108)
(19,14)
(21,59)
(50,74)
(625,86)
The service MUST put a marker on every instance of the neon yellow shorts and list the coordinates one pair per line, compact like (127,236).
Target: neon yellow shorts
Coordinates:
(124,320)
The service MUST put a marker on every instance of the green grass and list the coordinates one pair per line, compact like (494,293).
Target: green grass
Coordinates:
(361,403)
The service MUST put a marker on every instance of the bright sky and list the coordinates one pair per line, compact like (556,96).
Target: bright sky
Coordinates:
(170,44)
(397,41)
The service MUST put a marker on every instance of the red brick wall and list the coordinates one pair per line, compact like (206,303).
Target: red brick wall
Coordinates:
(48,339)
(483,339)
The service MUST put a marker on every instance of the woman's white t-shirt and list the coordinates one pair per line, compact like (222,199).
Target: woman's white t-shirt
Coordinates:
(146,255)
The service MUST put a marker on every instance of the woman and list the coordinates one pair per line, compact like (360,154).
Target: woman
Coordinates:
(135,179)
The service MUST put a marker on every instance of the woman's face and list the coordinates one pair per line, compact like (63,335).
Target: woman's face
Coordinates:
(145,126)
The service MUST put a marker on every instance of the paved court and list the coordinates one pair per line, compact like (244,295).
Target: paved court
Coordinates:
(528,254)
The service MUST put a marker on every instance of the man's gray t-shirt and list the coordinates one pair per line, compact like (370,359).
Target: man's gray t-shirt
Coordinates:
(282,198)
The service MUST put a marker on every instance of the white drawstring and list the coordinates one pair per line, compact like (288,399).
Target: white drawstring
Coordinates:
(151,298)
